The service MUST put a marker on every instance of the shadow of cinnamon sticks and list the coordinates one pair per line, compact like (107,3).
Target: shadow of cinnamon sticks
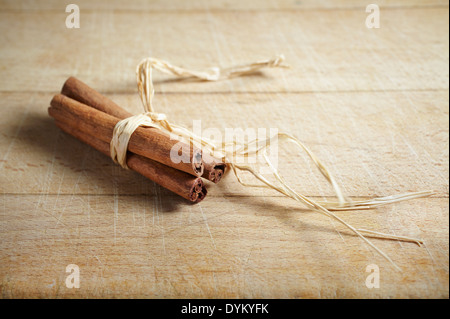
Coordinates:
(62,153)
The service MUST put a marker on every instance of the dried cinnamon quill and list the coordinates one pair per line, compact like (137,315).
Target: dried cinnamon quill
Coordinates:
(152,144)
(209,167)
(181,183)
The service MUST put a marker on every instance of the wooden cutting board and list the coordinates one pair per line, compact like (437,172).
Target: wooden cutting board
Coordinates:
(371,103)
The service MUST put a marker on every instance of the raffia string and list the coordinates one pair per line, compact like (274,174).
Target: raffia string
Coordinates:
(123,131)
(229,151)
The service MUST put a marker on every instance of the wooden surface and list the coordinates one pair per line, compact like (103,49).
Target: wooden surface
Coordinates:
(372,103)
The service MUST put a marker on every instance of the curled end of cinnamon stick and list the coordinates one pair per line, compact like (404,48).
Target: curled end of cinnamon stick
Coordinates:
(214,168)
(198,191)
(215,175)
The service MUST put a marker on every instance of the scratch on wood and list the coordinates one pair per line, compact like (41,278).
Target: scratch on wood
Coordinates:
(116,208)
(207,226)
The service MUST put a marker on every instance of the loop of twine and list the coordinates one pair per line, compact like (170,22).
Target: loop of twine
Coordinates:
(220,149)
(122,134)
(126,127)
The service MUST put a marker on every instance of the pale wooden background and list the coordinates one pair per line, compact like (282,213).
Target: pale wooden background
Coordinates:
(372,103)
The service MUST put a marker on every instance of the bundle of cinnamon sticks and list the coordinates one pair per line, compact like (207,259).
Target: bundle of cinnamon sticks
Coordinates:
(91,117)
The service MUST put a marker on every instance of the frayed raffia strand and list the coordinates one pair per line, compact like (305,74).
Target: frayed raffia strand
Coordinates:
(126,127)
(145,80)
(122,134)
(222,149)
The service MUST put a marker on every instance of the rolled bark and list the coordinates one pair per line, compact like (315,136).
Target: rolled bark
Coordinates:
(187,186)
(213,168)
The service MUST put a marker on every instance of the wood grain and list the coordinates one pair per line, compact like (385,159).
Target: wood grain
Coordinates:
(376,144)
(372,104)
(328,51)
(156,246)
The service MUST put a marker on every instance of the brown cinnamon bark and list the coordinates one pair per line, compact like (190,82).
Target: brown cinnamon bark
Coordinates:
(213,168)
(181,183)
(81,92)
(154,144)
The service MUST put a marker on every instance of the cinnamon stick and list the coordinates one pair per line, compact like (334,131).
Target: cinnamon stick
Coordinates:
(187,186)
(153,145)
(213,168)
